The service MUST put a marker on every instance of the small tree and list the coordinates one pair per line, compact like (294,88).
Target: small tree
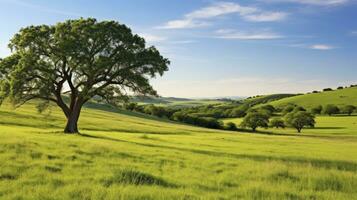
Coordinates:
(254,120)
(330,109)
(277,123)
(348,109)
(300,119)
(316,110)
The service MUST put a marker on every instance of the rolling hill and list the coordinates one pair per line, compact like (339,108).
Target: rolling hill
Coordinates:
(123,155)
(339,97)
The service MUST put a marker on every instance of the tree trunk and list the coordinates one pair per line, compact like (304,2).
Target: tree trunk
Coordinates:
(72,119)
(71,126)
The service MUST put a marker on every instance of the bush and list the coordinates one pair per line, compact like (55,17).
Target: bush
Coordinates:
(277,123)
(327,89)
(130,106)
(288,109)
(237,112)
(340,88)
(230,126)
(348,109)
(299,108)
(299,120)
(316,110)
(330,109)
(254,120)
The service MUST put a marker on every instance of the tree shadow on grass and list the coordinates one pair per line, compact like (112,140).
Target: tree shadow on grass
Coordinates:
(318,163)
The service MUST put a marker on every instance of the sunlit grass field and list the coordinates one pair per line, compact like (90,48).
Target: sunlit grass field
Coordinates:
(341,97)
(132,156)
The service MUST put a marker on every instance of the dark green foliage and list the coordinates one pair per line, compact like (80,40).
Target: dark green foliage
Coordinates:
(340,88)
(348,109)
(130,106)
(277,123)
(300,119)
(330,109)
(237,112)
(94,59)
(230,126)
(254,120)
(327,89)
(207,122)
(299,108)
(316,110)
(288,109)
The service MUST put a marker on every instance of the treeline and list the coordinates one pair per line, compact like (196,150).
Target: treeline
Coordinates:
(253,117)
(196,116)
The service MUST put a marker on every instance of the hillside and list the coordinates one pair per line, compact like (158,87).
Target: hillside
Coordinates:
(175,102)
(122,155)
(338,97)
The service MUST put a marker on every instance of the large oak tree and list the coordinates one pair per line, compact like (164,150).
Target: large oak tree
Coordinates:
(71,62)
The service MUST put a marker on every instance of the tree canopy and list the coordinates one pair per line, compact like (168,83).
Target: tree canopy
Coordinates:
(300,119)
(78,60)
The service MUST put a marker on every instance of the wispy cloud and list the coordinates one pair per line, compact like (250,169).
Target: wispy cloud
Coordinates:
(198,18)
(314,2)
(354,33)
(266,17)
(239,35)
(323,47)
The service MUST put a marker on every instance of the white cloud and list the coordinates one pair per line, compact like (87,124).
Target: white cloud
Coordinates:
(354,33)
(238,35)
(321,47)
(198,18)
(314,2)
(219,9)
(183,23)
(266,17)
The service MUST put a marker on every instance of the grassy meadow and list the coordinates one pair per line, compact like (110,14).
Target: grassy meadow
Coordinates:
(346,96)
(122,155)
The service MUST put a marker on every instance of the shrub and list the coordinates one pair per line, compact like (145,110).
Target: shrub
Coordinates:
(330,109)
(230,126)
(288,109)
(348,109)
(316,110)
(277,123)
(327,89)
(237,112)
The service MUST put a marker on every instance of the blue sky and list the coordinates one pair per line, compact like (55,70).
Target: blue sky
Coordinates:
(222,48)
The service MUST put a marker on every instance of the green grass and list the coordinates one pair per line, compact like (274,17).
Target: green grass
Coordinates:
(121,156)
(339,97)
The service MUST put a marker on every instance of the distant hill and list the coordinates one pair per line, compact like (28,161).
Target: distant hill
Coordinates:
(252,101)
(339,97)
(175,101)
